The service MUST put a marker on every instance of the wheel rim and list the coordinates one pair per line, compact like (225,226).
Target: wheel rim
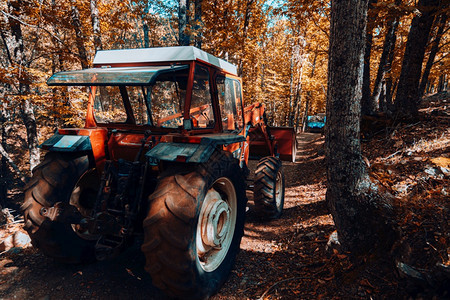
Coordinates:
(83,197)
(279,190)
(216,224)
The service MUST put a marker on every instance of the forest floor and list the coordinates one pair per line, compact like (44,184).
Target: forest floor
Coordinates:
(288,258)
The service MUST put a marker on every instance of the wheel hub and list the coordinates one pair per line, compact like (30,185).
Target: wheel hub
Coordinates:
(216,224)
(215,220)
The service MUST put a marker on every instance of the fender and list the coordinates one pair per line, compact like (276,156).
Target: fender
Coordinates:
(88,140)
(67,143)
(194,149)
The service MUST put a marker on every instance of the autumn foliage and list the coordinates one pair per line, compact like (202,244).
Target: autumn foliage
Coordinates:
(280,48)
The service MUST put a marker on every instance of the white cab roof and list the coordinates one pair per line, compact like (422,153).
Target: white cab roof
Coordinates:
(161,54)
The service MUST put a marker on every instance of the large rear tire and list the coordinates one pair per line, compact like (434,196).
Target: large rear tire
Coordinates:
(268,192)
(64,179)
(194,228)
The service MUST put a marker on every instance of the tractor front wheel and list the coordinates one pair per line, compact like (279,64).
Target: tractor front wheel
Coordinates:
(194,228)
(268,192)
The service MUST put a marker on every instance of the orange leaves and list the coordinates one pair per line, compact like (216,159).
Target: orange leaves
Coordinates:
(365,282)
(341,256)
(441,161)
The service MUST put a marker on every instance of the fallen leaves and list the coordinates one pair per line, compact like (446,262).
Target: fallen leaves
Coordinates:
(13,237)
(441,161)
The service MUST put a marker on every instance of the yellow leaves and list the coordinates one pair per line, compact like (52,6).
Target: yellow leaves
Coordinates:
(441,161)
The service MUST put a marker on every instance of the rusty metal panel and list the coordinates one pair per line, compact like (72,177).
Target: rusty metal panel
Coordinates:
(286,142)
(283,139)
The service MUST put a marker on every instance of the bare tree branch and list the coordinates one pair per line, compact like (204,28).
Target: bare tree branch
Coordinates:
(319,27)
(31,25)
(6,47)
(441,59)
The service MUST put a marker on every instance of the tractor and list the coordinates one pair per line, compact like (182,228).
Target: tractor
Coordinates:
(163,154)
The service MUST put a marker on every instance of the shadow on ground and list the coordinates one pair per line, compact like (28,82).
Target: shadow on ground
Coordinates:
(123,277)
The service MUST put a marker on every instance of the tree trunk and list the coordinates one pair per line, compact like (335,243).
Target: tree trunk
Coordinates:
(441,22)
(298,94)
(13,41)
(5,116)
(145,25)
(184,38)
(79,35)
(407,95)
(296,105)
(361,214)
(367,106)
(442,83)
(12,38)
(96,26)
(29,120)
(247,15)
(305,114)
(308,94)
(6,156)
(198,24)
(146,33)
(297,112)
(4,170)
(382,98)
(391,84)
(385,65)
(291,88)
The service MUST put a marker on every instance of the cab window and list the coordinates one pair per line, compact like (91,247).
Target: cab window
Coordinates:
(167,99)
(108,105)
(201,111)
(230,102)
(137,96)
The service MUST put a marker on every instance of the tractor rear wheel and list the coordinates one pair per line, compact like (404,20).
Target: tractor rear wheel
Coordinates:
(194,228)
(268,191)
(61,180)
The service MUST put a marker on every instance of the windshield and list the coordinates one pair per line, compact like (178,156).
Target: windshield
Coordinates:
(160,103)
(167,99)
(111,76)
(109,105)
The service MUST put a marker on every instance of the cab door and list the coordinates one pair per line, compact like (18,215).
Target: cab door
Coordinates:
(230,103)
(232,117)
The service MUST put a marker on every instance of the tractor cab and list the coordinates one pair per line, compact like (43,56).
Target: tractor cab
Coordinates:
(175,91)
(169,91)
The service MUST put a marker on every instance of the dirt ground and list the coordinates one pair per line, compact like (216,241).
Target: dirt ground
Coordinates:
(288,258)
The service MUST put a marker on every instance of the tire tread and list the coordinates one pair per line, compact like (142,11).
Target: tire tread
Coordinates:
(53,181)
(264,187)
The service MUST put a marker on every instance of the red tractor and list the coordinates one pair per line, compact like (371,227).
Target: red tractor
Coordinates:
(163,153)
